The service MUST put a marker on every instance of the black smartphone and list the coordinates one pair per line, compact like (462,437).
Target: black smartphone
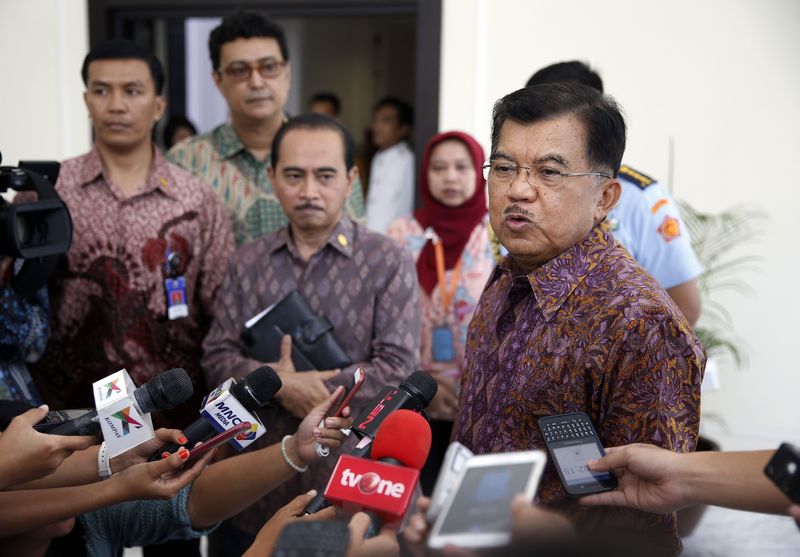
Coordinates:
(572,442)
(79,421)
(324,538)
(784,469)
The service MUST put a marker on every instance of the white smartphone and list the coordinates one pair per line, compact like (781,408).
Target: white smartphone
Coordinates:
(478,513)
(455,458)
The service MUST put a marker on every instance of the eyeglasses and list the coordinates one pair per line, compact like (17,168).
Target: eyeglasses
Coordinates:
(241,71)
(504,172)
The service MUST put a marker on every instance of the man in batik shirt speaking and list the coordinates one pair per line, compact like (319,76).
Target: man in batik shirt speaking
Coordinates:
(569,321)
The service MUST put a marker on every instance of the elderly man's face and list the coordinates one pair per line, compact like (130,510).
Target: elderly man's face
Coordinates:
(535,223)
(311,179)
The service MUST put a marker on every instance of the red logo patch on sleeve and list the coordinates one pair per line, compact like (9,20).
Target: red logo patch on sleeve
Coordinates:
(670,228)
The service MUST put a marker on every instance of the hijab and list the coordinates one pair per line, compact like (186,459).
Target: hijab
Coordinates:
(453,225)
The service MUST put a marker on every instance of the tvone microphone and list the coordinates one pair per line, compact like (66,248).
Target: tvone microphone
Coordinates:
(124,411)
(414,393)
(229,405)
(384,486)
(162,392)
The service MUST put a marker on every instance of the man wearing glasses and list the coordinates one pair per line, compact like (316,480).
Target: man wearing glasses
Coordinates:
(252,71)
(569,321)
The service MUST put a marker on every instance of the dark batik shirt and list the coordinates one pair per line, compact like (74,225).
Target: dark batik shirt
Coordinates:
(220,158)
(588,331)
(109,302)
(363,282)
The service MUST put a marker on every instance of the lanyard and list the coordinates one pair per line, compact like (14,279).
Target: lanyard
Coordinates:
(447,294)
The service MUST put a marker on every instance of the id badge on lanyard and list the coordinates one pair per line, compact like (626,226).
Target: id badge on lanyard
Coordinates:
(175,287)
(443,345)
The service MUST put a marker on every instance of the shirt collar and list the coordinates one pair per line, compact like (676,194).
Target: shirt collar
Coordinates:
(228,143)
(552,283)
(159,178)
(341,239)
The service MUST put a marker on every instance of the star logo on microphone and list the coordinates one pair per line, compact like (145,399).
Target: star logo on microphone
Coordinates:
(249,434)
(124,417)
(112,388)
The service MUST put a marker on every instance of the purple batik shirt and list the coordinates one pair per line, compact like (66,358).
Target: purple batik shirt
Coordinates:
(588,331)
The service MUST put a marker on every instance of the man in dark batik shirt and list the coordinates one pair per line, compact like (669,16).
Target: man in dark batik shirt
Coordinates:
(363,282)
(569,321)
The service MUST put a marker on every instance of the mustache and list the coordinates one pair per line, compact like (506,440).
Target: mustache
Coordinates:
(517,210)
(307,205)
(257,97)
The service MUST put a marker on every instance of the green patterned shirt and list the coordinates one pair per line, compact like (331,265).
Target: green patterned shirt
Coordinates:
(242,182)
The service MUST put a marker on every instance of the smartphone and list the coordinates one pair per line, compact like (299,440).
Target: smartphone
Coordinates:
(478,512)
(359,375)
(784,470)
(79,421)
(572,442)
(454,461)
(320,538)
(216,441)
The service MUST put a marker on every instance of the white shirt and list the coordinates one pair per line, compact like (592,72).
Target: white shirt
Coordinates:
(391,186)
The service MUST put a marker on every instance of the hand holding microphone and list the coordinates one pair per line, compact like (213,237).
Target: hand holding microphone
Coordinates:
(26,454)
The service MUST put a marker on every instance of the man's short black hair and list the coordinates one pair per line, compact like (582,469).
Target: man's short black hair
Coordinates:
(243,24)
(123,49)
(313,121)
(600,115)
(405,113)
(574,71)
(327,97)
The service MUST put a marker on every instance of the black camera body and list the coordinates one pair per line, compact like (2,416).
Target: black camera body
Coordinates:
(38,232)
(784,470)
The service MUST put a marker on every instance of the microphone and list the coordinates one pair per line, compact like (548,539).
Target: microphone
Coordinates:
(384,486)
(123,411)
(414,393)
(228,405)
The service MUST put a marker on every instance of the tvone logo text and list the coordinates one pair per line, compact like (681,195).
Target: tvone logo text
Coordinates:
(371,483)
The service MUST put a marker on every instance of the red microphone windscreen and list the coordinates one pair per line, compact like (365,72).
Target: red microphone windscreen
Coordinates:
(405,436)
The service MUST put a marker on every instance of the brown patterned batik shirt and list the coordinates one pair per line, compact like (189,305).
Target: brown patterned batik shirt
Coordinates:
(589,331)
(364,283)
(109,303)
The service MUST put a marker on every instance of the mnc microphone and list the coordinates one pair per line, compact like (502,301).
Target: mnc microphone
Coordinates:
(228,405)
(415,393)
(384,486)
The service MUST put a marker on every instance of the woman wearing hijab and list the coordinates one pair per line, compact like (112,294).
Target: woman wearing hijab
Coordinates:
(449,239)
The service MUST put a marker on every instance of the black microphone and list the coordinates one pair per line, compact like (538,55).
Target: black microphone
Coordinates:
(415,393)
(163,392)
(254,391)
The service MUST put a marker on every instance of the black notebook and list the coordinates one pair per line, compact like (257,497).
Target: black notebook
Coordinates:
(313,345)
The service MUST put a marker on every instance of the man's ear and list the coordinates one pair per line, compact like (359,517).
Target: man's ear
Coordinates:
(352,174)
(271,173)
(609,197)
(217,77)
(161,106)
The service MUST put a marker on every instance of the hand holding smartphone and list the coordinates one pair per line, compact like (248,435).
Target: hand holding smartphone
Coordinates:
(336,409)
(219,439)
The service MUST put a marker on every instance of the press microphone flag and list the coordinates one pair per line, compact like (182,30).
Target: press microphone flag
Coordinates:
(123,423)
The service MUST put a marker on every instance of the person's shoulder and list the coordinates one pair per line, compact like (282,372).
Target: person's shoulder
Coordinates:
(375,243)
(401,228)
(630,175)
(191,146)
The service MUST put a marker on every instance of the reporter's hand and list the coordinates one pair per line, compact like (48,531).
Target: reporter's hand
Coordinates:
(649,479)
(385,544)
(531,524)
(445,404)
(301,391)
(309,433)
(268,535)
(794,512)
(141,453)
(415,535)
(162,479)
(27,454)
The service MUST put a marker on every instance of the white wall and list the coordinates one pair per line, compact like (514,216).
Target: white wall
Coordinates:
(720,78)
(42,115)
